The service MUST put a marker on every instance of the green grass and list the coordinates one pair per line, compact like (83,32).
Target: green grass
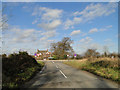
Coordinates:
(41,63)
(106,68)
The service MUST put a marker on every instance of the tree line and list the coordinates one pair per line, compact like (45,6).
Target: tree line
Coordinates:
(62,48)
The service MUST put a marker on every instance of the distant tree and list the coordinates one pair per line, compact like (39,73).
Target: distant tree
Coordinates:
(65,57)
(106,52)
(92,53)
(119,55)
(113,55)
(79,56)
(4,55)
(97,54)
(23,53)
(55,57)
(62,48)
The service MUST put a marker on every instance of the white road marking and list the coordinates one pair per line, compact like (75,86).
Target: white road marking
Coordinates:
(56,66)
(63,74)
(52,62)
(60,71)
(42,69)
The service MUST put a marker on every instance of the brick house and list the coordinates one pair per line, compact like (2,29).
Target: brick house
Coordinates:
(43,54)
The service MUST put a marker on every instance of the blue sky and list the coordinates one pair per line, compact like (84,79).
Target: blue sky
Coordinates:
(34,26)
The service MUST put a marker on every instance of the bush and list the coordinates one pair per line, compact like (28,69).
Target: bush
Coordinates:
(65,56)
(4,55)
(78,57)
(55,57)
(15,65)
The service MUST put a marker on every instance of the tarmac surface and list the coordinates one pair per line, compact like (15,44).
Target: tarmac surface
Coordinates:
(55,74)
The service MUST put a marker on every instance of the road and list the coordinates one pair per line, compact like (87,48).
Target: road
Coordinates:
(58,75)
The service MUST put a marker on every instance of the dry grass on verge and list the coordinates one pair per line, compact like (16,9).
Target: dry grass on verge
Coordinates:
(104,67)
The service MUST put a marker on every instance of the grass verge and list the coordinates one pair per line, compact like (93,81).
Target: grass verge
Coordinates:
(106,68)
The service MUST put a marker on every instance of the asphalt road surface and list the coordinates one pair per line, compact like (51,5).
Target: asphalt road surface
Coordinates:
(55,74)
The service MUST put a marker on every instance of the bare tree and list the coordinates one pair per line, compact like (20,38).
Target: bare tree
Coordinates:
(3,18)
(62,48)
(106,52)
(113,55)
(91,53)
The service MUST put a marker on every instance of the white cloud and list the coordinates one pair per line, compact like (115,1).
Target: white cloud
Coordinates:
(26,39)
(106,28)
(77,19)
(109,26)
(100,30)
(69,23)
(81,48)
(35,21)
(46,44)
(17,35)
(114,0)
(47,35)
(21,38)
(47,18)
(51,40)
(103,29)
(84,34)
(50,17)
(107,40)
(109,43)
(51,13)
(93,30)
(47,13)
(50,26)
(95,10)
(95,46)
(76,32)
(14,50)
(86,40)
(91,12)
(86,43)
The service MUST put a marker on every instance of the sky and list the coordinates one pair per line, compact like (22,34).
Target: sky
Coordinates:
(32,26)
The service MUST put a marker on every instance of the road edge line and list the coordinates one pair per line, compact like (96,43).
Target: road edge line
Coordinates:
(43,68)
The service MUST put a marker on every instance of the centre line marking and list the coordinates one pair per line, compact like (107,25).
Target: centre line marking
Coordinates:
(52,62)
(63,74)
(56,66)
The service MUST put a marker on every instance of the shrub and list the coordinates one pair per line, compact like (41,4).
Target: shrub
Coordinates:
(65,56)
(4,55)
(15,65)
(55,57)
